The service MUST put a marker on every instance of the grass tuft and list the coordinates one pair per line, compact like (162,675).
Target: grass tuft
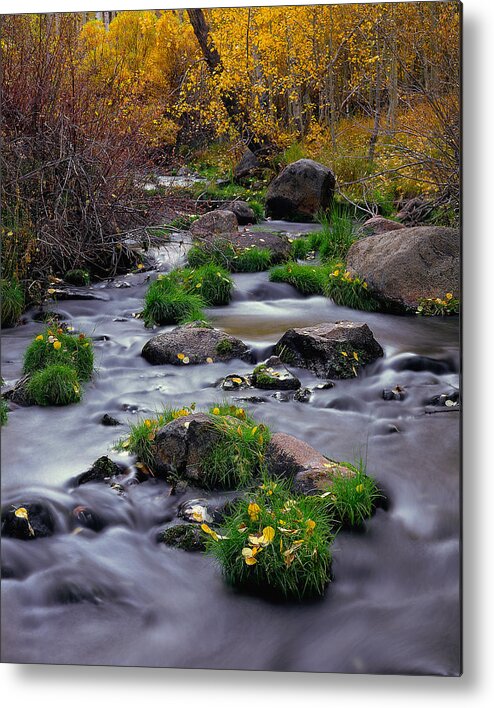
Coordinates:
(212,282)
(276,542)
(55,385)
(12,302)
(55,346)
(166,302)
(252,260)
(308,279)
(352,500)
(349,291)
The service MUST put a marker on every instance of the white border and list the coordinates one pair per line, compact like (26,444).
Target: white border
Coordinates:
(87,686)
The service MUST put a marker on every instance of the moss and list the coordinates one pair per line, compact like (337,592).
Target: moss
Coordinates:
(77,277)
(186,537)
(56,385)
(224,346)
(12,302)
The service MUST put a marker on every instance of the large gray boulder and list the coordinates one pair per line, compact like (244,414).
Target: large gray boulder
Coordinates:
(331,350)
(214,223)
(287,456)
(194,343)
(401,267)
(247,165)
(300,191)
(244,213)
(379,225)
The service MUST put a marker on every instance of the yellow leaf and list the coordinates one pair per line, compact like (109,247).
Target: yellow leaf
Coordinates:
(57,344)
(344,354)
(185,360)
(359,488)
(209,360)
(311,525)
(268,534)
(180,356)
(247,552)
(237,380)
(355,356)
(250,561)
(21,513)
(253,510)
(216,411)
(39,338)
(50,291)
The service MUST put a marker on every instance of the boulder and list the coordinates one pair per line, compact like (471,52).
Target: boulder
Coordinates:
(244,213)
(247,165)
(240,240)
(185,537)
(301,190)
(287,456)
(180,446)
(401,267)
(379,225)
(214,223)
(331,349)
(194,344)
(27,521)
(273,375)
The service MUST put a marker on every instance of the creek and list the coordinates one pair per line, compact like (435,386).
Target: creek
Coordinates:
(118,597)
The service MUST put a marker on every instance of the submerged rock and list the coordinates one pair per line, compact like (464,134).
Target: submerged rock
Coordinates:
(273,375)
(195,511)
(330,349)
(402,267)
(398,393)
(27,521)
(303,395)
(193,344)
(287,456)
(19,392)
(300,191)
(185,537)
(109,420)
(234,382)
(214,223)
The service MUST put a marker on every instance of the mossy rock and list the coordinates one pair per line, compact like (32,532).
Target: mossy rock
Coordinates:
(186,537)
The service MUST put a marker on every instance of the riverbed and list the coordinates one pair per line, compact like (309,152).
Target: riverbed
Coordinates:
(118,597)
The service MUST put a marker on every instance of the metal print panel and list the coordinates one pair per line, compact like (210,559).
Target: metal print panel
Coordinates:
(230,338)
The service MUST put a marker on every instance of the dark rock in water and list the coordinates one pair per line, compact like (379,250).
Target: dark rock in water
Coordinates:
(413,362)
(87,518)
(303,395)
(19,393)
(77,294)
(283,396)
(27,521)
(192,344)
(448,400)
(253,399)
(335,349)
(402,267)
(102,470)
(398,393)
(379,225)
(69,592)
(186,537)
(108,420)
(273,375)
(214,223)
(181,446)
(247,165)
(244,213)
(301,190)
(234,382)
(324,386)
(287,456)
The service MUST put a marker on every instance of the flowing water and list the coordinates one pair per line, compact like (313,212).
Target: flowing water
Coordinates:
(118,597)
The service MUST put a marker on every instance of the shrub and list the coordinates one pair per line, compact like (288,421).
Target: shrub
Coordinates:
(352,500)
(212,281)
(252,260)
(308,279)
(12,304)
(56,385)
(275,541)
(166,302)
(349,291)
(77,277)
(55,346)
(429,306)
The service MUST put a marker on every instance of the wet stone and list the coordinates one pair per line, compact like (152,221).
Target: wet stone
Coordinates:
(27,521)
(273,375)
(87,518)
(101,471)
(234,382)
(109,420)
(303,395)
(398,393)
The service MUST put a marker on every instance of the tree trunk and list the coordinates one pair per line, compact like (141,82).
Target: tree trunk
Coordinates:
(235,111)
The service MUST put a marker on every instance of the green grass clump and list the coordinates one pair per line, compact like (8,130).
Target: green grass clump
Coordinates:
(276,542)
(4,409)
(300,249)
(308,279)
(212,281)
(252,260)
(352,500)
(430,306)
(77,277)
(55,346)
(166,302)
(55,385)
(349,291)
(337,235)
(12,301)
(224,346)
